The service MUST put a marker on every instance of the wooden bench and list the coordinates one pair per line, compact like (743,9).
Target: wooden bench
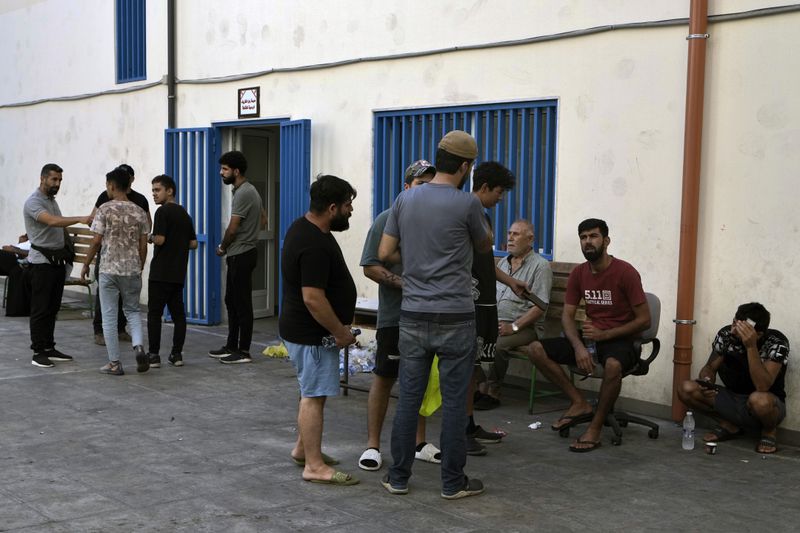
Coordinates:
(82,240)
(561,273)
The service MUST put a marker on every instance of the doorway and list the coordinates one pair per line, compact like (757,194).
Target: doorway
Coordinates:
(261,148)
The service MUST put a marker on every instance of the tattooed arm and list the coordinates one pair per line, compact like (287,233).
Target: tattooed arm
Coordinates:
(383,276)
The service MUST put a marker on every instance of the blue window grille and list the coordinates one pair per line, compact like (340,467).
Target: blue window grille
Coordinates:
(131,37)
(520,135)
(189,160)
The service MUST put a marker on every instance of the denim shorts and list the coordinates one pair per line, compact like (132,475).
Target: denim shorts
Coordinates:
(317,369)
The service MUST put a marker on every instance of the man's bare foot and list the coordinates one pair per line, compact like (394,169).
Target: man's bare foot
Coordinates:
(570,414)
(325,473)
(586,442)
(767,444)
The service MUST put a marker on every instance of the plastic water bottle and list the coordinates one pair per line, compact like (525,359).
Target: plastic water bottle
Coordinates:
(330,340)
(688,431)
(591,347)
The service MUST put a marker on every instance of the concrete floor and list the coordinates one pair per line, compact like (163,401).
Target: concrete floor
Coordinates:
(206,448)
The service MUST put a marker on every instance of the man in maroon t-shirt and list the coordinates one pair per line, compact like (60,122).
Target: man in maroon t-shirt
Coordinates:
(616,311)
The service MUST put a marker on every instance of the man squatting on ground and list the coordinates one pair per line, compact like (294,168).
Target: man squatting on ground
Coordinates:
(751,360)
(97,322)
(437,226)
(387,358)
(51,252)
(120,227)
(239,244)
(616,311)
(521,319)
(173,236)
(319,301)
(490,181)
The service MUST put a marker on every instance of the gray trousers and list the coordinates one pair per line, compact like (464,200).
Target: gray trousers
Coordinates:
(496,372)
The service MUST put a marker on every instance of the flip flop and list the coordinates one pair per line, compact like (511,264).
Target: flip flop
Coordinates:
(723,434)
(338,478)
(594,444)
(568,418)
(327,459)
(371,460)
(767,441)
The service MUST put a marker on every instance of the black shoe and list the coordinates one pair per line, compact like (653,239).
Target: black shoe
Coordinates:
(155,360)
(222,352)
(486,403)
(474,447)
(42,361)
(236,357)
(55,355)
(485,437)
(472,487)
(392,490)
(175,359)
(142,359)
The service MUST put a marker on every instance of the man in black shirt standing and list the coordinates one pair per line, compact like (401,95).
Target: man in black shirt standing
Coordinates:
(319,300)
(97,323)
(173,236)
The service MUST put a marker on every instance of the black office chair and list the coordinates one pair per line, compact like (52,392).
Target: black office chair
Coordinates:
(620,419)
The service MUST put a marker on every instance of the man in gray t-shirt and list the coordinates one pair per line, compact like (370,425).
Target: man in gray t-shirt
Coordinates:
(437,226)
(387,357)
(45,225)
(239,244)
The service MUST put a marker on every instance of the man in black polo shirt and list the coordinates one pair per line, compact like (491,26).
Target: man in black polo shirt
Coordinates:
(97,323)
(173,236)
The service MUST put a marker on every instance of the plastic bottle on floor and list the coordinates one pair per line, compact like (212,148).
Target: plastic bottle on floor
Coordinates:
(688,431)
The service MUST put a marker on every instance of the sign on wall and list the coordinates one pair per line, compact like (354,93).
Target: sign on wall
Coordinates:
(249,102)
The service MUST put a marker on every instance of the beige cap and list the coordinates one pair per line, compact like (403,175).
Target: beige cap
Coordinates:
(459,143)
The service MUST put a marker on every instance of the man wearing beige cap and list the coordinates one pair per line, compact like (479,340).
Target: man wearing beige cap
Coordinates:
(387,358)
(437,226)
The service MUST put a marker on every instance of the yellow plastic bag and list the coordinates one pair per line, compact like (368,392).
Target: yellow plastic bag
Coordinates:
(433,396)
(279,351)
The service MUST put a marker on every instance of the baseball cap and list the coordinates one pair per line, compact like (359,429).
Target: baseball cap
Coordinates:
(459,143)
(418,168)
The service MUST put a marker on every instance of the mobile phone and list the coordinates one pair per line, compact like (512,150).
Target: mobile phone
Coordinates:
(707,384)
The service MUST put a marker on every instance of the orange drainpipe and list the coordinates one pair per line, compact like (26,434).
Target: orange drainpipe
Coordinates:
(692,144)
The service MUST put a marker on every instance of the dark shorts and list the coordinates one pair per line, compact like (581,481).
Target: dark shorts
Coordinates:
(559,349)
(733,407)
(486,332)
(387,356)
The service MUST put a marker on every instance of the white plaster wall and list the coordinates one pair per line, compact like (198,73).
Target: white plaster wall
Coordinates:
(51,48)
(620,133)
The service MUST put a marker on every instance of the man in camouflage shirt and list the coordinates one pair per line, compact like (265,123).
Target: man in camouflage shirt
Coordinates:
(121,228)
(751,361)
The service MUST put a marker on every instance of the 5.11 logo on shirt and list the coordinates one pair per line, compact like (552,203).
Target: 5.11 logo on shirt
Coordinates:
(597,297)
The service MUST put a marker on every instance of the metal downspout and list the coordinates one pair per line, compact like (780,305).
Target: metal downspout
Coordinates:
(692,144)
(171,63)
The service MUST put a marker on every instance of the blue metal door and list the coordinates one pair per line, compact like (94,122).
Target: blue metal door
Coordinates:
(189,160)
(295,176)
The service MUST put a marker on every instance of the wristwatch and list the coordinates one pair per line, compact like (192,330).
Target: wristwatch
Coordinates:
(220,248)
(514,327)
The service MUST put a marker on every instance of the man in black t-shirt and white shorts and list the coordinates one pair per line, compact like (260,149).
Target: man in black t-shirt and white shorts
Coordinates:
(319,301)
(173,236)
(97,322)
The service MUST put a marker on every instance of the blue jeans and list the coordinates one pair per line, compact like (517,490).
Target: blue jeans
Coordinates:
(453,340)
(112,286)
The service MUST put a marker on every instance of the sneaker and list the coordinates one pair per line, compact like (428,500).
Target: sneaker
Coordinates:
(472,487)
(392,490)
(123,336)
(114,368)
(487,403)
(155,360)
(235,358)
(485,437)
(142,359)
(175,359)
(474,447)
(99,339)
(42,361)
(55,355)
(222,352)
